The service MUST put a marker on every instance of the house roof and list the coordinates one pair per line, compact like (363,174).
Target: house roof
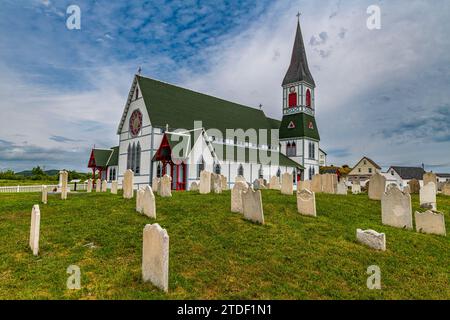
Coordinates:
(443,175)
(409,173)
(114,157)
(304,125)
(298,69)
(321,150)
(106,157)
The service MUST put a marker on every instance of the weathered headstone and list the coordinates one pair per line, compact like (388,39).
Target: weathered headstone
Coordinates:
(140,200)
(306,203)
(430,177)
(287,185)
(194,186)
(372,239)
(98,186)
(165,186)
(446,189)
(216,183)
(356,187)
(396,210)
(114,187)
(127,184)
(262,184)
(156,182)
(89,186)
(428,196)
(205,182)
(377,186)
(34,229)
(64,176)
(240,179)
(432,222)
(304,185)
(224,182)
(104,186)
(149,205)
(329,183)
(407,189)
(236,197)
(342,188)
(414,186)
(252,205)
(316,183)
(155,256)
(274,183)
(44,194)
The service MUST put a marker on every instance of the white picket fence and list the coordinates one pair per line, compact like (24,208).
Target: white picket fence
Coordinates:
(38,188)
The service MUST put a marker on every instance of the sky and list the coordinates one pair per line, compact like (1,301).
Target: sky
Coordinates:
(380,93)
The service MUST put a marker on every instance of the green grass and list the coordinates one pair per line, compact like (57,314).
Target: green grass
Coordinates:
(215,254)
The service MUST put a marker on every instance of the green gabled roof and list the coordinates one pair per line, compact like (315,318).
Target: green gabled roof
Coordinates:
(114,157)
(228,151)
(101,157)
(301,127)
(179,108)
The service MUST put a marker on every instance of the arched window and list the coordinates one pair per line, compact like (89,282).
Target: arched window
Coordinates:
(292,97)
(279,173)
(241,170)
(115,174)
(133,157)
(294,175)
(217,169)
(308,98)
(288,149)
(129,157)
(311,172)
(293,149)
(159,170)
(261,172)
(138,159)
(200,167)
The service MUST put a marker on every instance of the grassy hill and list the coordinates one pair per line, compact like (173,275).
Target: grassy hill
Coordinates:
(215,254)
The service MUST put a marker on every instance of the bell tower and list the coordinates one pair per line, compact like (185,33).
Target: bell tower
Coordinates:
(299,135)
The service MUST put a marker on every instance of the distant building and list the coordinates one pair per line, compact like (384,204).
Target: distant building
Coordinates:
(363,170)
(105,162)
(443,177)
(322,158)
(402,175)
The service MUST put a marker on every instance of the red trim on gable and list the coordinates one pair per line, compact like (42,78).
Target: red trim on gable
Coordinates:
(164,152)
(91,163)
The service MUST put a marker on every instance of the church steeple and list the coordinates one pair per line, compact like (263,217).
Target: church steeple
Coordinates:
(298,70)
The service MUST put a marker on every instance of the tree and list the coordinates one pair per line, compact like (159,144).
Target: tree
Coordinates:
(37,171)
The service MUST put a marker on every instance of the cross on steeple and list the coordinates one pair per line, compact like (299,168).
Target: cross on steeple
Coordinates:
(139,71)
(298,16)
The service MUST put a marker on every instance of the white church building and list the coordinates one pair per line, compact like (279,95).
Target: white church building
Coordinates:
(166,129)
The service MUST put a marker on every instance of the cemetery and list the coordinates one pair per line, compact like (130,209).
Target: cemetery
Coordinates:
(233,244)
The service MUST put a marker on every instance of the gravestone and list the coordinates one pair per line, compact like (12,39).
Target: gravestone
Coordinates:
(406,189)
(127,184)
(356,187)
(287,186)
(205,182)
(156,182)
(114,187)
(236,197)
(224,181)
(316,183)
(140,200)
(252,205)
(64,176)
(446,189)
(216,183)
(155,256)
(428,196)
(194,186)
(306,203)
(342,188)
(89,186)
(104,186)
(35,229)
(262,184)
(304,185)
(372,239)
(98,186)
(432,222)
(430,177)
(274,183)
(149,205)
(377,186)
(165,186)
(329,183)
(414,186)
(44,194)
(396,210)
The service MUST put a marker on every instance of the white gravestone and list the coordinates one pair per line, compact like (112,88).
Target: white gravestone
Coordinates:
(377,186)
(155,256)
(252,205)
(205,182)
(104,186)
(165,187)
(34,229)
(236,197)
(396,210)
(431,222)
(64,177)
(216,183)
(372,239)
(240,179)
(89,186)
(194,186)
(274,183)
(329,183)
(98,186)
(140,200)
(428,196)
(114,187)
(127,184)
(306,203)
(155,184)
(224,182)
(430,177)
(44,194)
(446,189)
(149,205)
(306,184)
(356,187)
(341,188)
(287,185)
(316,183)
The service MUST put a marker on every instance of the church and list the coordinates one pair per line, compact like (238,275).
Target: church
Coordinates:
(166,129)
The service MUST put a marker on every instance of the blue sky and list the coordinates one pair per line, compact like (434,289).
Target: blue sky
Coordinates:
(382,93)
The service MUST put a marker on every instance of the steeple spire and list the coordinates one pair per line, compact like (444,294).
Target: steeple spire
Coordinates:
(298,69)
